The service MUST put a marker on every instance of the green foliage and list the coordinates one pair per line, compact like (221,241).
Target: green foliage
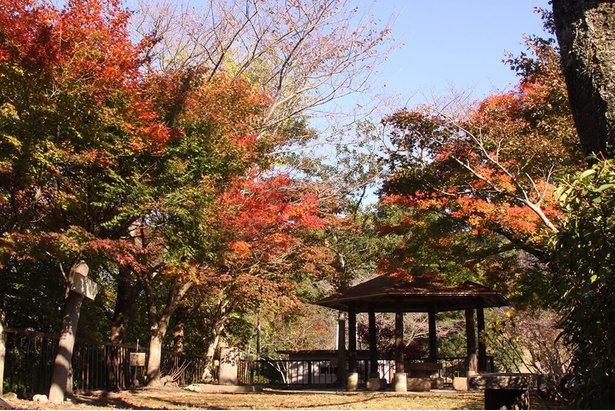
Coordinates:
(584,280)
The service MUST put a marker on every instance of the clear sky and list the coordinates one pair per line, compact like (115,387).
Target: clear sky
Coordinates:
(456,44)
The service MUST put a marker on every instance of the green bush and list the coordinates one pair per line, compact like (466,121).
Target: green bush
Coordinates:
(583,258)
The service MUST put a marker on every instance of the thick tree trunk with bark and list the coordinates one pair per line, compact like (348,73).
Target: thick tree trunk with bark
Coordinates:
(219,319)
(586,34)
(159,325)
(179,331)
(212,346)
(154,358)
(2,352)
(127,295)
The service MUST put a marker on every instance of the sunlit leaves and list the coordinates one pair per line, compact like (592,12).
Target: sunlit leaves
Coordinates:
(483,178)
(583,261)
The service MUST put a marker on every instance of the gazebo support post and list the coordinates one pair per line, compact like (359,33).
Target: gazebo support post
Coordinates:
(482,348)
(433,337)
(471,339)
(373,383)
(353,375)
(400,383)
(341,347)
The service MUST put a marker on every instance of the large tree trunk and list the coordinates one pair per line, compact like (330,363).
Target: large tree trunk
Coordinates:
(585,32)
(179,331)
(127,295)
(2,352)
(212,346)
(154,359)
(159,326)
(218,322)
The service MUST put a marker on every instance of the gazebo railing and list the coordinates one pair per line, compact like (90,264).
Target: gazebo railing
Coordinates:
(324,371)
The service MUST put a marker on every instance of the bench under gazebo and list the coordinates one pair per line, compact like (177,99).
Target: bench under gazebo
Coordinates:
(399,295)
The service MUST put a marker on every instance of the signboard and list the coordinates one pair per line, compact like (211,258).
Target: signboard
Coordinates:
(137,359)
(84,286)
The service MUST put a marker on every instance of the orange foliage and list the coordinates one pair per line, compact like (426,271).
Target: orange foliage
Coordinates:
(263,217)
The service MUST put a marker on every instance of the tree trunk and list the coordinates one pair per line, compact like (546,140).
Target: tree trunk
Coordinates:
(584,30)
(2,352)
(127,295)
(154,359)
(62,364)
(159,326)
(179,330)
(208,373)
(219,319)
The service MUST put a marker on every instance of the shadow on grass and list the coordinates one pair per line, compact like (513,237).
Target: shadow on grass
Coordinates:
(107,400)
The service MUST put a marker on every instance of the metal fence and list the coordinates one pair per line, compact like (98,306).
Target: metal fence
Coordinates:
(325,371)
(95,366)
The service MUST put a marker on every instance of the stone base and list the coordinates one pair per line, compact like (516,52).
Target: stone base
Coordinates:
(353,381)
(215,388)
(419,384)
(400,382)
(437,383)
(375,384)
(460,383)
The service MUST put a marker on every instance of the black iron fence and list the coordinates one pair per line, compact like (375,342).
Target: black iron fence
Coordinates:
(96,366)
(325,371)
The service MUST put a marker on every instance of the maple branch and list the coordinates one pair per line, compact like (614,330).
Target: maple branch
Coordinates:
(524,197)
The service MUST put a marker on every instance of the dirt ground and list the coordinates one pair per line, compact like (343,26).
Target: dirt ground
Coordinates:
(176,398)
(169,398)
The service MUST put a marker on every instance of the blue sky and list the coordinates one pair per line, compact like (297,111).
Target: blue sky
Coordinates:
(455,43)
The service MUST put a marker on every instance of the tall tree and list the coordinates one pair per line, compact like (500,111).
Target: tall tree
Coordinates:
(303,53)
(68,88)
(270,253)
(582,251)
(213,143)
(584,31)
(478,182)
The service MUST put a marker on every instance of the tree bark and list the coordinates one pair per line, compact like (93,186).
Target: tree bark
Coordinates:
(179,331)
(159,326)
(585,33)
(127,295)
(154,359)
(2,352)
(216,332)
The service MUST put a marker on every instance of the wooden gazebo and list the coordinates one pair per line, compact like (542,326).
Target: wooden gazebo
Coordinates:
(399,295)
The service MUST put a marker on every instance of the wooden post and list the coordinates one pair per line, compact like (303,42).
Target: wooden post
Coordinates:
(341,348)
(482,348)
(353,377)
(433,336)
(399,336)
(471,339)
(352,338)
(373,347)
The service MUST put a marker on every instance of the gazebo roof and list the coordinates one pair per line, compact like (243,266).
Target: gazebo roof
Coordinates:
(416,295)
